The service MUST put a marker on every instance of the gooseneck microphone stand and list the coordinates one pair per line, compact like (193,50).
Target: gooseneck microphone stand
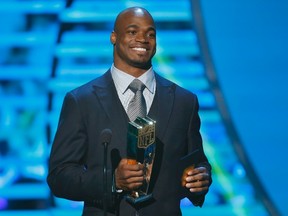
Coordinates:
(105,139)
(105,179)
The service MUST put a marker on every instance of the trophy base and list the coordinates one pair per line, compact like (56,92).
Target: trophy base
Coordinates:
(135,200)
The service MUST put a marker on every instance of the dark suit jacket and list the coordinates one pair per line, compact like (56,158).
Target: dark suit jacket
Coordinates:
(76,160)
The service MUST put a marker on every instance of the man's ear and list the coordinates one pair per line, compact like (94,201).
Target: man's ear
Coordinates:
(113,37)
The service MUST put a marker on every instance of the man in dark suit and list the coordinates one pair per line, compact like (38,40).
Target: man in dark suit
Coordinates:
(76,161)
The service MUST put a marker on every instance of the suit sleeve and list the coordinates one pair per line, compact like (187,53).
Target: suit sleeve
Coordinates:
(69,177)
(195,142)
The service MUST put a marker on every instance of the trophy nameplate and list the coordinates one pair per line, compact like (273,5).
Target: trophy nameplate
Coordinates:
(141,149)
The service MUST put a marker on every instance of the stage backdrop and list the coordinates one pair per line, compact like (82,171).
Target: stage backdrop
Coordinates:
(248,41)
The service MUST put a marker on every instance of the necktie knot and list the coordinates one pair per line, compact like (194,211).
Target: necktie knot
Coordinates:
(136,85)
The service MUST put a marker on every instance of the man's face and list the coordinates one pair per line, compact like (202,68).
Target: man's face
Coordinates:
(134,41)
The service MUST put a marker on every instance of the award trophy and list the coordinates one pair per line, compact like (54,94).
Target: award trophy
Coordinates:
(141,149)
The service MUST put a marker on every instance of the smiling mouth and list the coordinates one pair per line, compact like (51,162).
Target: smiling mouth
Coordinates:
(139,49)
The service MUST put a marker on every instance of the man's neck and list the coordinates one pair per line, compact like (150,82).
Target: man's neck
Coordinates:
(133,71)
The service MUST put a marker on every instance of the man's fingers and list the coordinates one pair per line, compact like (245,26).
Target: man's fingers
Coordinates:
(132,165)
(130,183)
(197,170)
(199,190)
(129,175)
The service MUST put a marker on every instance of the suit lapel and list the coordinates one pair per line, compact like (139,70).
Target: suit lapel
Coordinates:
(107,94)
(164,103)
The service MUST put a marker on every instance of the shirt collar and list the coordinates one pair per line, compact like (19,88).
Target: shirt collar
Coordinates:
(122,80)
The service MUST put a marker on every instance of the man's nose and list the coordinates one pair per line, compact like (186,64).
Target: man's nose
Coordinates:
(141,37)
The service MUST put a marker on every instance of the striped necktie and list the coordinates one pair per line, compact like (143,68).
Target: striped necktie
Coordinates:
(137,105)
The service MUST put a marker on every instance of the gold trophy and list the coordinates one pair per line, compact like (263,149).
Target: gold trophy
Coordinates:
(141,149)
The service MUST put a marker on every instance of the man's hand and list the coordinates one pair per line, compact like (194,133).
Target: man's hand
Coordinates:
(129,176)
(198,180)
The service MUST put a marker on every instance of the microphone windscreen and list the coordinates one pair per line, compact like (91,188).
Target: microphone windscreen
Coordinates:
(106,135)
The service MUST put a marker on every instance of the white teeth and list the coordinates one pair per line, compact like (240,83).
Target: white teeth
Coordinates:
(139,49)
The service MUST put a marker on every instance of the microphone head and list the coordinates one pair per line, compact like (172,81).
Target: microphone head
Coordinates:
(106,135)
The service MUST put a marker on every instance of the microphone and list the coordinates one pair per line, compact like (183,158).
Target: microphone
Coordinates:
(105,138)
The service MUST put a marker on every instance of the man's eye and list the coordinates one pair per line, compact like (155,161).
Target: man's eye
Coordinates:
(152,35)
(132,32)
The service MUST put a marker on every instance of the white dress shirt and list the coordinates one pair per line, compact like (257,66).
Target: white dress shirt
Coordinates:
(122,80)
